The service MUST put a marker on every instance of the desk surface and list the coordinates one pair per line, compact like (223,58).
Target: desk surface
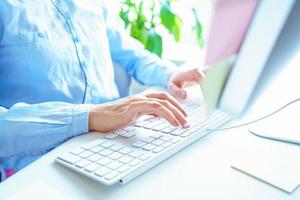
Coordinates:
(200,171)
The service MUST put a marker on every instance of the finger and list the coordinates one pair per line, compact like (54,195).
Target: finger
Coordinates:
(177,91)
(178,114)
(154,108)
(191,75)
(172,100)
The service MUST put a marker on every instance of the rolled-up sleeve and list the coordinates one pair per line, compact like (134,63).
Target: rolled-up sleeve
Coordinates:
(31,129)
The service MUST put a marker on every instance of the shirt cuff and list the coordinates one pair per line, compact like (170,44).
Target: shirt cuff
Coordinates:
(80,119)
(165,72)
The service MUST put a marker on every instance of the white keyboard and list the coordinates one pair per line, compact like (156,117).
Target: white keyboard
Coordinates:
(124,154)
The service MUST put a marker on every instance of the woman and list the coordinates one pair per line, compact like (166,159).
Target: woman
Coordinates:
(57,78)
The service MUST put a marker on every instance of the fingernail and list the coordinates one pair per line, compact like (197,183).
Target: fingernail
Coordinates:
(186,125)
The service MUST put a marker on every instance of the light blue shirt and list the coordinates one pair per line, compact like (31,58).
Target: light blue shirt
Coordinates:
(56,59)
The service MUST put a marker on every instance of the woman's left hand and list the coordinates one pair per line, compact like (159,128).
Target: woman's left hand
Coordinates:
(178,80)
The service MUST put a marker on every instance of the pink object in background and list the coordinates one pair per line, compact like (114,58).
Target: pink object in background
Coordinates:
(229,25)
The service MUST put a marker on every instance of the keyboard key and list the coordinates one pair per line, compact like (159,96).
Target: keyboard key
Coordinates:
(96,149)
(148,139)
(158,142)
(120,132)
(141,123)
(104,161)
(111,136)
(95,157)
(175,140)
(77,151)
(102,171)
(92,167)
(126,159)
(111,175)
(136,153)
(70,158)
(126,150)
(168,129)
(128,134)
(135,162)
(138,144)
(115,155)
(179,131)
(166,138)
(156,135)
(161,126)
(158,149)
(153,124)
(114,165)
(145,157)
(123,168)
(186,134)
(129,128)
(82,163)
(105,152)
(116,147)
(93,143)
(149,147)
(85,154)
(108,144)
(167,144)
(197,123)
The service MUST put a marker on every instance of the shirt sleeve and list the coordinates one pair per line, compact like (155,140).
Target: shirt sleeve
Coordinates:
(1,24)
(31,129)
(145,67)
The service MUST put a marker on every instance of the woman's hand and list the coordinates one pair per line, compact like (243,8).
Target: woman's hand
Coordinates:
(180,79)
(118,114)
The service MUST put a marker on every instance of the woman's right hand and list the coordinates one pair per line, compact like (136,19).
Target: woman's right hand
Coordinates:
(114,115)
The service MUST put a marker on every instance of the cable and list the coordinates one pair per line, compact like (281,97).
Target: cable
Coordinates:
(77,54)
(258,119)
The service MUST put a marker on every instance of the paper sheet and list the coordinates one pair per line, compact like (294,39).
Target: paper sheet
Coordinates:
(273,162)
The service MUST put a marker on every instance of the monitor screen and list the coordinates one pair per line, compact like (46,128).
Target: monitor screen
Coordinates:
(230,24)
(242,41)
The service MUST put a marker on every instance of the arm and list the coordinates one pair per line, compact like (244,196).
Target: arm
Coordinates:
(32,129)
(1,24)
(145,67)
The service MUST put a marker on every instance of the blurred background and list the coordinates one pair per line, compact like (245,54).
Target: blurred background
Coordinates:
(172,29)
(175,30)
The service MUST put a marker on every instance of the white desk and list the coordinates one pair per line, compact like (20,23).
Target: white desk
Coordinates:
(201,171)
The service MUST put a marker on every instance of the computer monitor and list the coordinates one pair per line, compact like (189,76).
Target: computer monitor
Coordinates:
(262,36)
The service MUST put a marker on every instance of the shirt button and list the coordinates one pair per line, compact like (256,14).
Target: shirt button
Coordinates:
(85,50)
(41,35)
(76,39)
(83,64)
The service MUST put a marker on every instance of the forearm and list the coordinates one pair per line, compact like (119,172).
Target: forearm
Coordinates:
(145,67)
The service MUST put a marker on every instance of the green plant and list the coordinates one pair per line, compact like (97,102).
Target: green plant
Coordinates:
(143,18)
